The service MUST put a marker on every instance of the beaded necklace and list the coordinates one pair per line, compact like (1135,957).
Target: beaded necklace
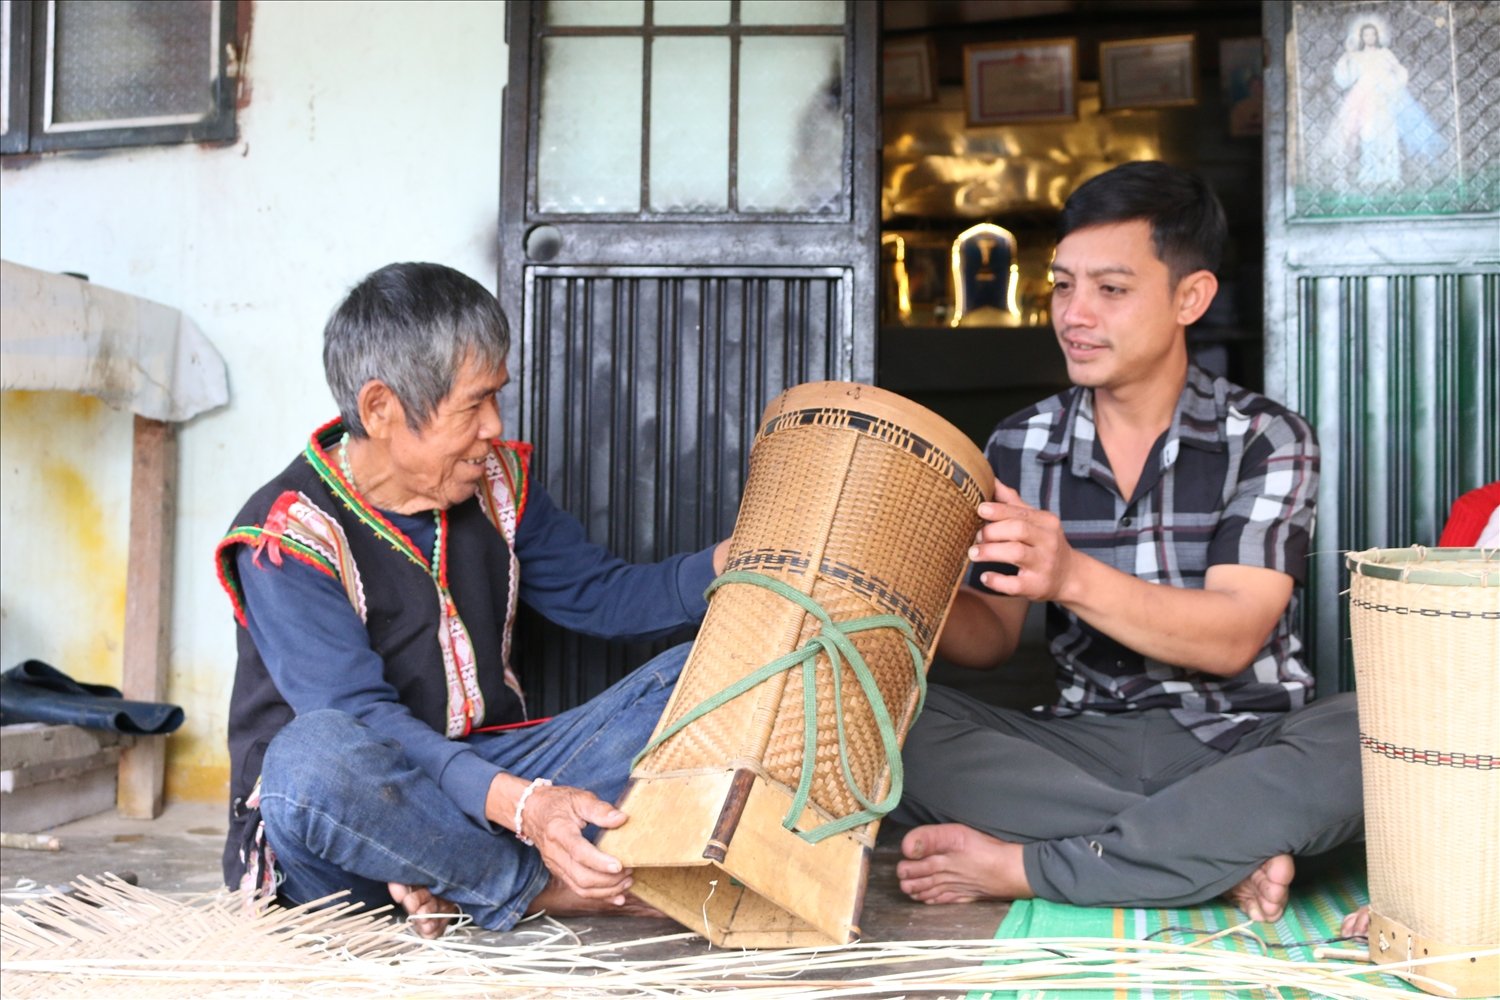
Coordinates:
(437,515)
(458,647)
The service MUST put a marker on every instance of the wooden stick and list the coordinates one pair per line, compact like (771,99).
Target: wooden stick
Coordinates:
(148,607)
(30,842)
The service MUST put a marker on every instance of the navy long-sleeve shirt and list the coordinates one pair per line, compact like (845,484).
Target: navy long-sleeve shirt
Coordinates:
(318,652)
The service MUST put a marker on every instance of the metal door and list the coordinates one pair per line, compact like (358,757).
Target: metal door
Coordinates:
(1383,272)
(689,224)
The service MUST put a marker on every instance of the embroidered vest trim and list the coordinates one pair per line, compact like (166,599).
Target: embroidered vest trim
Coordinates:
(297,527)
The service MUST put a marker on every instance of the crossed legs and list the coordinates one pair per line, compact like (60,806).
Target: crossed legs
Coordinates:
(345,809)
(1121,811)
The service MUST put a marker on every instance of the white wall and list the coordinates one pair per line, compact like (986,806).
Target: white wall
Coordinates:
(372,134)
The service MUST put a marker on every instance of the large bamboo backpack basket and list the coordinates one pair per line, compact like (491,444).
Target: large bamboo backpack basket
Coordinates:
(754,808)
(1426,630)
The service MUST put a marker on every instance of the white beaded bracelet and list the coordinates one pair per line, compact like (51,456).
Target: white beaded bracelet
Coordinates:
(521,808)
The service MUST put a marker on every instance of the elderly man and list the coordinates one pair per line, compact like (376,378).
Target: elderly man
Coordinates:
(1163,517)
(378,738)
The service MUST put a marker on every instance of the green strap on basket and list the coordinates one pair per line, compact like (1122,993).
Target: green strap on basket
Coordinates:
(832,641)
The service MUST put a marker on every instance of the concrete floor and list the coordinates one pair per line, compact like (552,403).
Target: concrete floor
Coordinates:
(178,854)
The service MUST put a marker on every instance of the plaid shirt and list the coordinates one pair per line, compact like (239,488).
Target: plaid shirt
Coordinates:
(1233,480)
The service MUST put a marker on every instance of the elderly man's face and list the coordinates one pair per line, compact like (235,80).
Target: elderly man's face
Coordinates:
(443,464)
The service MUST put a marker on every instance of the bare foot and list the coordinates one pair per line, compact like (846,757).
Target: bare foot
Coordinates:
(1264,893)
(952,863)
(558,900)
(418,901)
(1356,924)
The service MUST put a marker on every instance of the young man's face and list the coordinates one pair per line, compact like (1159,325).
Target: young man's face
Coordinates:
(1116,314)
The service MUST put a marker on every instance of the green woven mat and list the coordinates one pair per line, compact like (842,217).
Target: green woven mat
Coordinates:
(1312,915)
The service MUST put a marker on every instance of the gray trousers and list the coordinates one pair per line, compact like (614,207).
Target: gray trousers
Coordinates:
(1133,810)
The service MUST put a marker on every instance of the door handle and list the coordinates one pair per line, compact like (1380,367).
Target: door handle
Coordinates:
(543,243)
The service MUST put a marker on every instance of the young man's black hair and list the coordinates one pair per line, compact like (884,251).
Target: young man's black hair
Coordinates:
(1187,223)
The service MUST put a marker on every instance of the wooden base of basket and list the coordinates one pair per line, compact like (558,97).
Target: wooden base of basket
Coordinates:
(709,851)
(1392,941)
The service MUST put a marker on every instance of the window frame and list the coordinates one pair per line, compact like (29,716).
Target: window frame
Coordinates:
(16,72)
(736,31)
(30,65)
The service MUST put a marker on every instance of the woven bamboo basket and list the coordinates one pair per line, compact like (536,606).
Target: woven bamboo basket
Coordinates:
(754,809)
(1426,630)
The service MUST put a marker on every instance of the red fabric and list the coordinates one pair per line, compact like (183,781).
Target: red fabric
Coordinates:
(275,526)
(1471,512)
(512,725)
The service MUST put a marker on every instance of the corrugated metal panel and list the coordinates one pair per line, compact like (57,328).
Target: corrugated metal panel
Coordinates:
(1400,375)
(641,390)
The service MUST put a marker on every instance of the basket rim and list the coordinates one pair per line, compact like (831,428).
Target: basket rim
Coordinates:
(888,405)
(1429,565)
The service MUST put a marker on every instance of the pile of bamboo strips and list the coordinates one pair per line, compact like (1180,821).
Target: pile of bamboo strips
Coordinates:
(112,936)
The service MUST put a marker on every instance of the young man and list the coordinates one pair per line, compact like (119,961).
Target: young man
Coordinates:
(1163,516)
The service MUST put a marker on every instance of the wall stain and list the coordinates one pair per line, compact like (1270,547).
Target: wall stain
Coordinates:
(97,567)
(84,566)
(197,754)
(197,770)
(66,526)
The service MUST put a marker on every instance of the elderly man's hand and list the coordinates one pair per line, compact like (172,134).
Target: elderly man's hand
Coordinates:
(554,820)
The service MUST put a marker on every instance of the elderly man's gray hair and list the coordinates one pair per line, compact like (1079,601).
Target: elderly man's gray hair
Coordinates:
(411,326)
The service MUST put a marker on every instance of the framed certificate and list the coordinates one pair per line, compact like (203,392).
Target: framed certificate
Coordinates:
(1010,82)
(1148,73)
(910,72)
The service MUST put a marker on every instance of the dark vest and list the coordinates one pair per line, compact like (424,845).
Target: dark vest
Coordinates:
(402,614)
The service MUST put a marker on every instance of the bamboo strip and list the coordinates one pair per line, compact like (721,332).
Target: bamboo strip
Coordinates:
(116,936)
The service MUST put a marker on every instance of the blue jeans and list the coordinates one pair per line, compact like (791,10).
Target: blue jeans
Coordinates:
(345,809)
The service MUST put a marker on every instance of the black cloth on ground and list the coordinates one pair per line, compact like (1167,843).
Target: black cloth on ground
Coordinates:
(34,691)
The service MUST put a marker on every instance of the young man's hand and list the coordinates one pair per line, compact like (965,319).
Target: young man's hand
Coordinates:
(1029,539)
(1217,628)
